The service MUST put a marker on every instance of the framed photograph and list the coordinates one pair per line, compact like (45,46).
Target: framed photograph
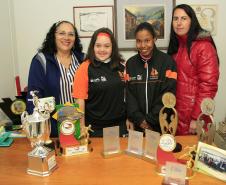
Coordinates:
(88,19)
(130,13)
(207,16)
(211,161)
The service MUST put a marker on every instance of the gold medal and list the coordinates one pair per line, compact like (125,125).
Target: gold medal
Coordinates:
(169,100)
(18,107)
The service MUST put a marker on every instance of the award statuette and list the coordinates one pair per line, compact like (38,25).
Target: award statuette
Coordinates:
(151,145)
(72,141)
(135,144)
(41,160)
(111,142)
(169,125)
(168,122)
(206,127)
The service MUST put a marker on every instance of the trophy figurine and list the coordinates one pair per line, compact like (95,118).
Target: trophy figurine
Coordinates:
(206,127)
(41,160)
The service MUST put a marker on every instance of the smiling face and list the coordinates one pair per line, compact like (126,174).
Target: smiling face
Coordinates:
(103,47)
(65,37)
(145,42)
(181,22)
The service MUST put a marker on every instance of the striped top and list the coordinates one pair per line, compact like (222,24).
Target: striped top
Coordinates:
(67,79)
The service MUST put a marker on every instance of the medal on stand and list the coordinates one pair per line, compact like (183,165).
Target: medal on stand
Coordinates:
(206,128)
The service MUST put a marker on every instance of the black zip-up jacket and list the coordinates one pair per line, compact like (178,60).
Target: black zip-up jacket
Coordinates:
(146,83)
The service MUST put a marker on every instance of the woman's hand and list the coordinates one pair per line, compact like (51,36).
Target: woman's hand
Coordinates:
(193,127)
(145,125)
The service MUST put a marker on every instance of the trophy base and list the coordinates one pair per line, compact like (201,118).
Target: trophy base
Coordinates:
(75,150)
(41,166)
(111,154)
(149,158)
(134,154)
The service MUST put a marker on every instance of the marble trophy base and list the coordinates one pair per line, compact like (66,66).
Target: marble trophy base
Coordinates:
(136,154)
(74,150)
(41,165)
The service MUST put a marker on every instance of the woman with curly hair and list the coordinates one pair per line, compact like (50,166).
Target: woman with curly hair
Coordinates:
(53,67)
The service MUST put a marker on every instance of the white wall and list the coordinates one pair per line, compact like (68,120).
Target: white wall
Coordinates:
(31,19)
(7,73)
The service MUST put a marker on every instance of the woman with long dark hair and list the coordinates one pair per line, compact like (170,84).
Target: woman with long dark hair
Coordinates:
(197,61)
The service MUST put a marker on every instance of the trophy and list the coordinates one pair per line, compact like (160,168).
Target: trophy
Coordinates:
(206,127)
(168,119)
(73,139)
(168,126)
(41,160)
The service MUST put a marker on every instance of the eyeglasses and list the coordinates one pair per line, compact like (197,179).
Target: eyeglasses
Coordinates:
(64,34)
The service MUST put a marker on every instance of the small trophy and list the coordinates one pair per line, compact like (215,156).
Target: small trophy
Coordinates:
(205,119)
(111,142)
(135,144)
(151,145)
(41,160)
(73,140)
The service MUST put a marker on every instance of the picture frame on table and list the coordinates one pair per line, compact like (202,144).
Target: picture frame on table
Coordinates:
(87,19)
(211,160)
(130,13)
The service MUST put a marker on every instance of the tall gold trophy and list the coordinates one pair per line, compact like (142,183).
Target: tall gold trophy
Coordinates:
(41,160)
(168,119)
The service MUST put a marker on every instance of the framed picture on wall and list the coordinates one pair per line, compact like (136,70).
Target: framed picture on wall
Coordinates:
(88,19)
(130,13)
(207,16)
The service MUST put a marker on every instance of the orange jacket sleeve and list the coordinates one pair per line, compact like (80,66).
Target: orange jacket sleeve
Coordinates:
(81,80)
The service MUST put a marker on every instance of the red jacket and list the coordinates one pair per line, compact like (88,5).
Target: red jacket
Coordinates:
(197,79)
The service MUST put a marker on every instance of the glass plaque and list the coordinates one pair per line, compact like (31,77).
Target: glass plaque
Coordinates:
(175,174)
(111,141)
(135,143)
(151,144)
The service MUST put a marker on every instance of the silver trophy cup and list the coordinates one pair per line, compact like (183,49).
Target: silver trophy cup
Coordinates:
(41,160)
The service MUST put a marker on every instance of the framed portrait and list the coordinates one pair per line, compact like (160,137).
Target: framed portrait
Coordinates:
(207,16)
(211,160)
(88,19)
(130,13)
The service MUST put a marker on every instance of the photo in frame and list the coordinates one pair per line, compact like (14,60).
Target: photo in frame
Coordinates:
(88,19)
(130,13)
(211,160)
